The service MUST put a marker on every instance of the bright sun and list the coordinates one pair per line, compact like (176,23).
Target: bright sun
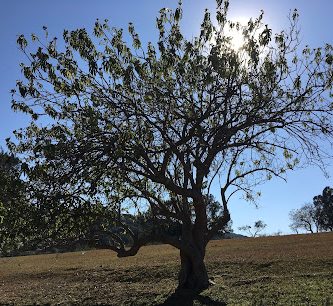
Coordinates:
(237,37)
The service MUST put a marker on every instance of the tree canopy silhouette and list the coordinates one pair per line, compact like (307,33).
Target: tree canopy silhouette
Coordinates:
(254,230)
(305,218)
(154,125)
(323,207)
(316,216)
(14,210)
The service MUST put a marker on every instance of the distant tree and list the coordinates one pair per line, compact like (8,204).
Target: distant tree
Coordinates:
(278,233)
(323,206)
(156,125)
(304,218)
(294,228)
(254,230)
(314,217)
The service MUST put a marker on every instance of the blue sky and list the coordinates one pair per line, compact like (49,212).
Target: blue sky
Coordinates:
(26,17)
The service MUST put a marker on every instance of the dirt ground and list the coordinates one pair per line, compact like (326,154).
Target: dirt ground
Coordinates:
(282,270)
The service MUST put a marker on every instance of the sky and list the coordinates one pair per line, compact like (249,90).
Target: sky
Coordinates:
(26,17)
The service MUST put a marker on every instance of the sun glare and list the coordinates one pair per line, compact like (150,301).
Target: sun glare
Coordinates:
(237,37)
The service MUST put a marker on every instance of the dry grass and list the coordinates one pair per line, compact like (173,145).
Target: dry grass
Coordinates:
(285,270)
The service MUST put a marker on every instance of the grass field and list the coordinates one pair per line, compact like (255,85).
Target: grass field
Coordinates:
(284,270)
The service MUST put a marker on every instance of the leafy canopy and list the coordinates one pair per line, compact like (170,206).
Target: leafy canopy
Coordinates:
(157,124)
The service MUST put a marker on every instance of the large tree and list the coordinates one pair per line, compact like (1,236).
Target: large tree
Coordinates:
(156,125)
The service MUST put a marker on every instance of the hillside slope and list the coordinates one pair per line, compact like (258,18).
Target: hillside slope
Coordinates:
(283,270)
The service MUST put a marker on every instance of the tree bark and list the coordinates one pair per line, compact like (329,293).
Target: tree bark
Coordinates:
(193,274)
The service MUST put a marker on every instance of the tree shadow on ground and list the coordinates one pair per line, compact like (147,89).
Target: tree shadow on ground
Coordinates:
(187,299)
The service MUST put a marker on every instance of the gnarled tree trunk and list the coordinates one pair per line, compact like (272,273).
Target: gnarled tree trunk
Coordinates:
(193,274)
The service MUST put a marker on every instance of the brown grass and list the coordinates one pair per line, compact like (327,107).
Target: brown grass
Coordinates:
(284,270)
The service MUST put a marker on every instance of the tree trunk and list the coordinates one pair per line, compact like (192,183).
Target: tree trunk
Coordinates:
(193,275)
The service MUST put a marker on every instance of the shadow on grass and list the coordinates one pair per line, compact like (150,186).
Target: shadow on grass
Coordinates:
(187,299)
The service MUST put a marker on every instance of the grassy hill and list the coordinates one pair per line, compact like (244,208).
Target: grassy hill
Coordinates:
(283,270)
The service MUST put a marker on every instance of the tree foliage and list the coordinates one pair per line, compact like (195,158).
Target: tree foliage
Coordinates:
(316,216)
(214,213)
(14,212)
(323,205)
(304,218)
(154,125)
(30,221)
